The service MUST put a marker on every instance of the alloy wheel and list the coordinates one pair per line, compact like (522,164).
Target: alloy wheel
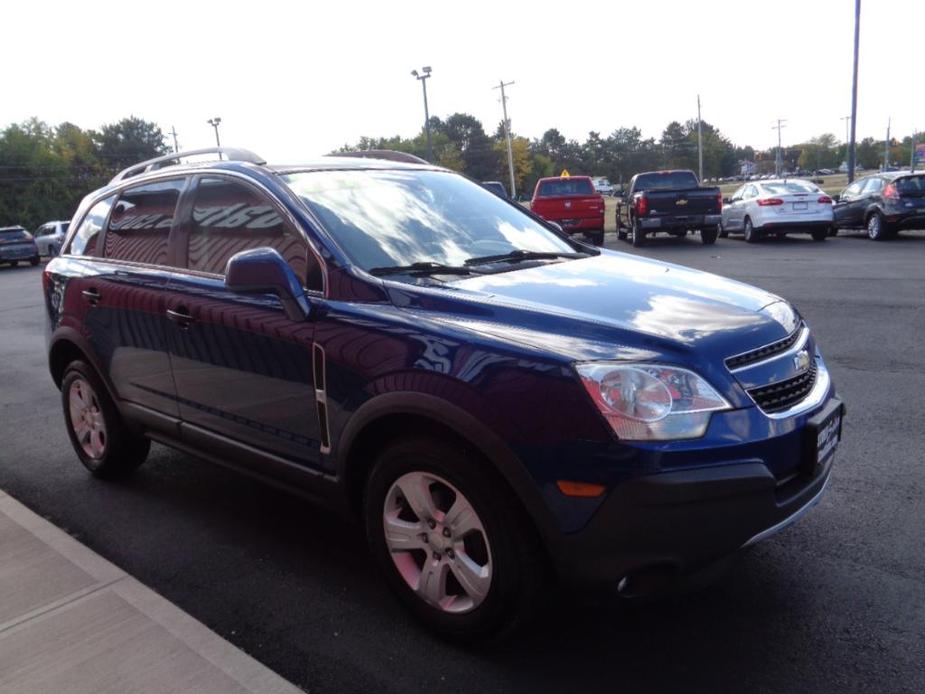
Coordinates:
(87,419)
(437,542)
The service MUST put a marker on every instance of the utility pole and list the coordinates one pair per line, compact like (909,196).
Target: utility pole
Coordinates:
(854,91)
(423,79)
(847,120)
(886,144)
(912,151)
(780,156)
(699,141)
(176,147)
(214,123)
(507,132)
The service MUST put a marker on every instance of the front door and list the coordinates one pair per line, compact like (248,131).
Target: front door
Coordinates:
(242,368)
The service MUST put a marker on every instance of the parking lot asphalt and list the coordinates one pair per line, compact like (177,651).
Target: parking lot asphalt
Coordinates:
(835,603)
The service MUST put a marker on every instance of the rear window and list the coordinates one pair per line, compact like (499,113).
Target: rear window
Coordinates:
(911,186)
(668,180)
(13,234)
(789,187)
(566,186)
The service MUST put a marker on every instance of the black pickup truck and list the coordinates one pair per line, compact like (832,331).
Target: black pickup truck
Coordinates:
(668,201)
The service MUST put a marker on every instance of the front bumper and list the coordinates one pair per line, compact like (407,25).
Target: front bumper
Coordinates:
(682,222)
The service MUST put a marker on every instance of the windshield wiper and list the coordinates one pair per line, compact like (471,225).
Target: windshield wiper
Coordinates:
(422,268)
(519,255)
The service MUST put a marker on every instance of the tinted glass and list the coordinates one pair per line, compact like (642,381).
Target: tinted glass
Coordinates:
(229,217)
(88,233)
(667,180)
(911,186)
(398,217)
(13,235)
(788,187)
(140,222)
(566,186)
(65,226)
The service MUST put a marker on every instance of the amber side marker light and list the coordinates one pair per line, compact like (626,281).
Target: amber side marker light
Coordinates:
(581,489)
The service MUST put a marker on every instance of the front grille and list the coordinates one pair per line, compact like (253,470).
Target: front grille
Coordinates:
(765,352)
(784,394)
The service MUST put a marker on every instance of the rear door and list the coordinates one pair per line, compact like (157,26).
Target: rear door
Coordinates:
(126,302)
(243,369)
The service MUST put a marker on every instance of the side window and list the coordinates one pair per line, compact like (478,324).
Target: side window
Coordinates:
(751,192)
(853,190)
(874,186)
(140,222)
(229,217)
(738,194)
(88,233)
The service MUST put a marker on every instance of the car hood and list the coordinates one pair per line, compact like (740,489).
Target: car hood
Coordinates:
(615,299)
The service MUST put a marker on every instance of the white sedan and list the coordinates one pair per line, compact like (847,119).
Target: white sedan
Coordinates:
(777,207)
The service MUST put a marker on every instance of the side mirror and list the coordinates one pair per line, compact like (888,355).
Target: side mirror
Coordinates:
(727,201)
(836,198)
(557,227)
(263,271)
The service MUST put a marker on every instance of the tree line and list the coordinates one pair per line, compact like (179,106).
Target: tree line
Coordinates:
(45,170)
(460,142)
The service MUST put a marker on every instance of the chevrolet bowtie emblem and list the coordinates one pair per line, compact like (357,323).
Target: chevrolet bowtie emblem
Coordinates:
(682,202)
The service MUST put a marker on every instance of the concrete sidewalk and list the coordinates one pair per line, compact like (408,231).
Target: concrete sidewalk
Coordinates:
(72,622)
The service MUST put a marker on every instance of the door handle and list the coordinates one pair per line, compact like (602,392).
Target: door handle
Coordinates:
(180,316)
(92,295)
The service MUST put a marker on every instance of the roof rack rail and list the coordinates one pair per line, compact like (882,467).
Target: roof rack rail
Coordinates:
(230,153)
(387,154)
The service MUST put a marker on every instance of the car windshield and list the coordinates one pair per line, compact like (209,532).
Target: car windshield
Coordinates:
(566,186)
(666,180)
(788,187)
(13,234)
(387,218)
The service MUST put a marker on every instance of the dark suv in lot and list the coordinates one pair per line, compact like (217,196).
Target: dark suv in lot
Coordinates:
(883,204)
(499,403)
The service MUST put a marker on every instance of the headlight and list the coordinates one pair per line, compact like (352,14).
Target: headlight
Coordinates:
(649,402)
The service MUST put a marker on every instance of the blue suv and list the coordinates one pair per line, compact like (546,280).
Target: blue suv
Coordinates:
(499,403)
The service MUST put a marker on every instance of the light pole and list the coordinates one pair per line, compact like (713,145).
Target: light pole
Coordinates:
(423,80)
(699,142)
(778,163)
(507,134)
(214,123)
(854,92)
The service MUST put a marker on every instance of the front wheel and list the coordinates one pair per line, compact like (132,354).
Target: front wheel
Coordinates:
(100,437)
(708,236)
(457,552)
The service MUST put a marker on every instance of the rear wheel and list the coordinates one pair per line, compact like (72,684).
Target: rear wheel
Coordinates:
(708,235)
(100,437)
(34,261)
(820,234)
(597,237)
(637,235)
(14,263)
(749,231)
(459,555)
(876,229)
(833,231)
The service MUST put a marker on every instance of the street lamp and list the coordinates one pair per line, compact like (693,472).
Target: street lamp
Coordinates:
(423,79)
(214,123)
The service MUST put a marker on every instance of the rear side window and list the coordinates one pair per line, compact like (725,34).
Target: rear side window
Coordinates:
(88,233)
(229,217)
(140,222)
(566,186)
(874,185)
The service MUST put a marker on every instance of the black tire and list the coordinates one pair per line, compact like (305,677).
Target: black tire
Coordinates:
(518,566)
(122,449)
(597,237)
(14,263)
(637,235)
(621,234)
(876,227)
(708,236)
(820,234)
(833,231)
(723,234)
(34,261)
(751,236)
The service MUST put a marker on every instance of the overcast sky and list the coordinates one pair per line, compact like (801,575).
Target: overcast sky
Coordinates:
(296,80)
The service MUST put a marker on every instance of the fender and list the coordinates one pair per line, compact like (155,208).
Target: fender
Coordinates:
(68,334)
(495,450)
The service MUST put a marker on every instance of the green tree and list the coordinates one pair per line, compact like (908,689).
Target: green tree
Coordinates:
(128,141)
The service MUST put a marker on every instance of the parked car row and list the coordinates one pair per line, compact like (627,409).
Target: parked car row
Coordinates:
(16,245)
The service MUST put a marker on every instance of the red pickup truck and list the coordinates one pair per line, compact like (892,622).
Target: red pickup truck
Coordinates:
(572,203)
